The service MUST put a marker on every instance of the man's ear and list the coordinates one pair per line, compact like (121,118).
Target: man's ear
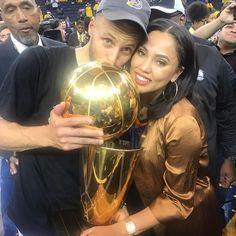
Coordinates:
(182,20)
(91,26)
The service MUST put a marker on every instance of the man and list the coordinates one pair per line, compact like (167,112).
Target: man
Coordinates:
(218,103)
(198,14)
(47,182)
(226,41)
(225,24)
(80,37)
(22,18)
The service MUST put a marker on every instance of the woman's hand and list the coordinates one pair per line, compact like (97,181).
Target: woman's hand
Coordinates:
(121,215)
(117,229)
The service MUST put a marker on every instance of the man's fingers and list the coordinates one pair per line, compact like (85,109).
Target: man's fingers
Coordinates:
(59,109)
(74,121)
(14,162)
(79,132)
(75,143)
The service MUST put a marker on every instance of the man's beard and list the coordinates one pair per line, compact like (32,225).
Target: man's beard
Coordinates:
(29,40)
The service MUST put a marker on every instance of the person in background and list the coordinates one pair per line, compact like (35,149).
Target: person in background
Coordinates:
(225,17)
(4,32)
(171,175)
(22,17)
(198,14)
(88,10)
(224,29)
(226,42)
(79,38)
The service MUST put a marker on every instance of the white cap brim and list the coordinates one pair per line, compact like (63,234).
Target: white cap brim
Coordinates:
(163,9)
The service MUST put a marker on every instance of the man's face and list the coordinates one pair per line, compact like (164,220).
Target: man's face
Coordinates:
(22,18)
(80,28)
(109,44)
(228,34)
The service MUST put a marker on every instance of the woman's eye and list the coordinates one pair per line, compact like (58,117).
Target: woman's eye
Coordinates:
(140,52)
(161,62)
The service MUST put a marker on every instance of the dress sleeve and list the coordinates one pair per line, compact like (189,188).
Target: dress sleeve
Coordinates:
(182,147)
(18,90)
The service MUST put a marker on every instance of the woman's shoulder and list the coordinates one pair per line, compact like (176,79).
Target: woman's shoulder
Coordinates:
(183,114)
(183,108)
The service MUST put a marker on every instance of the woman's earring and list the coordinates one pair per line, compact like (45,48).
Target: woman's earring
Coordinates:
(173,86)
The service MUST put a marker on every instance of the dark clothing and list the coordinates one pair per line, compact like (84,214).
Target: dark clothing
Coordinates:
(74,41)
(8,54)
(218,110)
(202,41)
(48,179)
(231,59)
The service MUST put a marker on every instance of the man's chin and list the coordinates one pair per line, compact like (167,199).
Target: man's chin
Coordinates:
(29,40)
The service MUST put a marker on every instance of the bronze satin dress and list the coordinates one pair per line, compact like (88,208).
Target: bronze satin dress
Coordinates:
(171,175)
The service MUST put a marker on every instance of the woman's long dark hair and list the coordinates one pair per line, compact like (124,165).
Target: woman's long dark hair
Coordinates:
(187,60)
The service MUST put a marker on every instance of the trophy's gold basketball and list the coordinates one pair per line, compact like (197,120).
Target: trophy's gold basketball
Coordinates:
(105,93)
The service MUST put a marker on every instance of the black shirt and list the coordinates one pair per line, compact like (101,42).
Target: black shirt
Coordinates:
(218,109)
(48,179)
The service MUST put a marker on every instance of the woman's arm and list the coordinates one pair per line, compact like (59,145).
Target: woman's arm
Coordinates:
(142,220)
(183,145)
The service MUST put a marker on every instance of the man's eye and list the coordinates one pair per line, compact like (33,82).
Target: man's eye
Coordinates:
(9,10)
(127,50)
(107,42)
(27,7)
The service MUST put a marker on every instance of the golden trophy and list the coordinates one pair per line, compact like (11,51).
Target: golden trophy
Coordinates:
(108,94)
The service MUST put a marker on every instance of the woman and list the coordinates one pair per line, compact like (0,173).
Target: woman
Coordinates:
(171,176)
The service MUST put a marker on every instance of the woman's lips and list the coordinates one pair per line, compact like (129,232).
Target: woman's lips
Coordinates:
(140,80)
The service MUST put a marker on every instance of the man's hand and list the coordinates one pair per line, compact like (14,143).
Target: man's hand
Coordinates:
(72,132)
(227,15)
(14,162)
(227,174)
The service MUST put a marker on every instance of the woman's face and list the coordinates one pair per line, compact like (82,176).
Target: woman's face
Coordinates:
(155,63)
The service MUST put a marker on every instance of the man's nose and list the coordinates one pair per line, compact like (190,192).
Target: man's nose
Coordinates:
(21,16)
(112,58)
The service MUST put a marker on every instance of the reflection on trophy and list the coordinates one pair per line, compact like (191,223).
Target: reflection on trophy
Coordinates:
(105,93)
(108,95)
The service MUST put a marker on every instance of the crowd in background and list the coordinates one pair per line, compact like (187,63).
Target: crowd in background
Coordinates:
(56,25)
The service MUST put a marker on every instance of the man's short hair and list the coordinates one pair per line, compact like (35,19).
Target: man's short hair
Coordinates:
(197,11)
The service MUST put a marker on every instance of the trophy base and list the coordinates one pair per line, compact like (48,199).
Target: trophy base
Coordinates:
(69,223)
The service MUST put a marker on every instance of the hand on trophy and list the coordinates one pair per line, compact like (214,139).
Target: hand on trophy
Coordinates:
(121,214)
(73,132)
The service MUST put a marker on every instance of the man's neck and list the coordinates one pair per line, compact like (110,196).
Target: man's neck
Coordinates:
(226,48)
